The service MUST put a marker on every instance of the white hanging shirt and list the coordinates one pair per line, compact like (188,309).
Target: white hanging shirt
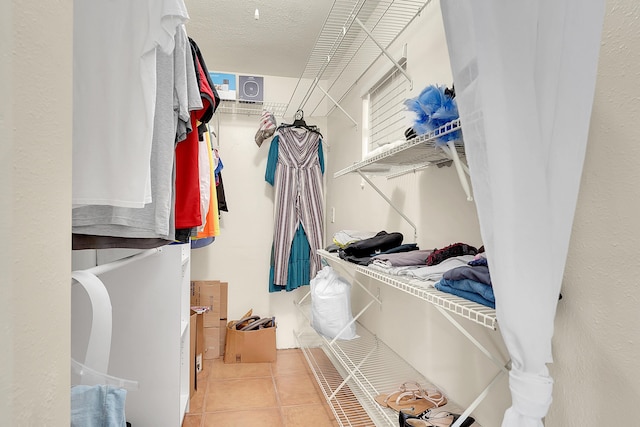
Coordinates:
(114,91)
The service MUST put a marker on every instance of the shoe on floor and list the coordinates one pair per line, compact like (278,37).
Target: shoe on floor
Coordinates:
(430,418)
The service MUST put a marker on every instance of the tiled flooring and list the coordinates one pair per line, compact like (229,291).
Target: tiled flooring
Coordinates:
(279,394)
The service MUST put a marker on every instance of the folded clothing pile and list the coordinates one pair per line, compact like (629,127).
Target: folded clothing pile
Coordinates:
(471,281)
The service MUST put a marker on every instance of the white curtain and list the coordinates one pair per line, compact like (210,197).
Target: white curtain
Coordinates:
(524,74)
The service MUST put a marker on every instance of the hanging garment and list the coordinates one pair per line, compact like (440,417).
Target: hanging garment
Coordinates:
(175,78)
(212,223)
(90,241)
(222,199)
(298,195)
(299,262)
(204,168)
(188,211)
(114,95)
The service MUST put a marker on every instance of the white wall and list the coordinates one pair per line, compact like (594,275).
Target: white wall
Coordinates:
(597,341)
(35,200)
(241,254)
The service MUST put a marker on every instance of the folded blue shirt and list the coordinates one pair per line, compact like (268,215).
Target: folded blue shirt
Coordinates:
(469,289)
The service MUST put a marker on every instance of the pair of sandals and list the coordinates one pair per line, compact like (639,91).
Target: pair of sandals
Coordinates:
(432,419)
(412,399)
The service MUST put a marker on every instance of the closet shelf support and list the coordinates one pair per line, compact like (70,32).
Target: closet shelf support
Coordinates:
(357,369)
(496,361)
(351,322)
(411,223)
(460,169)
(503,368)
(386,53)
(336,103)
(467,412)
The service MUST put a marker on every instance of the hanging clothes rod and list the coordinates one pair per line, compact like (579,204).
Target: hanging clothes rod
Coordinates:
(101,269)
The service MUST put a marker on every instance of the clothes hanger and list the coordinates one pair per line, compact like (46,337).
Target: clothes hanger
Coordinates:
(299,119)
(300,123)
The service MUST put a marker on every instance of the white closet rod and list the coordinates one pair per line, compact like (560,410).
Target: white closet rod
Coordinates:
(101,269)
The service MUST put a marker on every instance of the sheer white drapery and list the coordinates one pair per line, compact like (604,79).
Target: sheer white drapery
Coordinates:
(524,74)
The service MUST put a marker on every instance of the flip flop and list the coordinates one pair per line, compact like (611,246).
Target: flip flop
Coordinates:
(417,402)
(408,386)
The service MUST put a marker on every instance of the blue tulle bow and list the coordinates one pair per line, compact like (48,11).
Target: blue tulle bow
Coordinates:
(433,108)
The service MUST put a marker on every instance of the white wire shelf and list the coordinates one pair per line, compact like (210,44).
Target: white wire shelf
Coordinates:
(343,51)
(252,108)
(417,153)
(470,310)
(352,373)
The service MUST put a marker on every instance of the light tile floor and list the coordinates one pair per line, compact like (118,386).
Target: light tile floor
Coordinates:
(279,394)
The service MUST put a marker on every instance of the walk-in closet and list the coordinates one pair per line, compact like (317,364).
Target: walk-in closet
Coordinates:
(233,213)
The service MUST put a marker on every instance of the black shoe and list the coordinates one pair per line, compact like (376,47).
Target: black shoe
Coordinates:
(433,419)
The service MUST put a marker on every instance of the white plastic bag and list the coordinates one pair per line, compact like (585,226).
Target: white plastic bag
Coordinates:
(331,305)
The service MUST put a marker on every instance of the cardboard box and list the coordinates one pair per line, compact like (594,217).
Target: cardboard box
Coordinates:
(250,346)
(192,353)
(197,344)
(224,296)
(213,294)
(211,343)
(223,335)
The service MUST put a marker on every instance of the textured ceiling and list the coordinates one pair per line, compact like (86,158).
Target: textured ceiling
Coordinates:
(278,44)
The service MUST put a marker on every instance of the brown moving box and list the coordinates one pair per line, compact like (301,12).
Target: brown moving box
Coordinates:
(196,347)
(200,347)
(223,335)
(250,346)
(211,343)
(213,294)
(192,353)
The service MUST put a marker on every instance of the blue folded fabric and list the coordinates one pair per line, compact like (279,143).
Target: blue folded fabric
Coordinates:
(97,406)
(479,261)
(469,289)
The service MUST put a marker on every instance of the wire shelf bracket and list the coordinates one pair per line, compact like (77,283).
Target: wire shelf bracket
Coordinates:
(336,103)
(413,155)
(386,53)
(390,202)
